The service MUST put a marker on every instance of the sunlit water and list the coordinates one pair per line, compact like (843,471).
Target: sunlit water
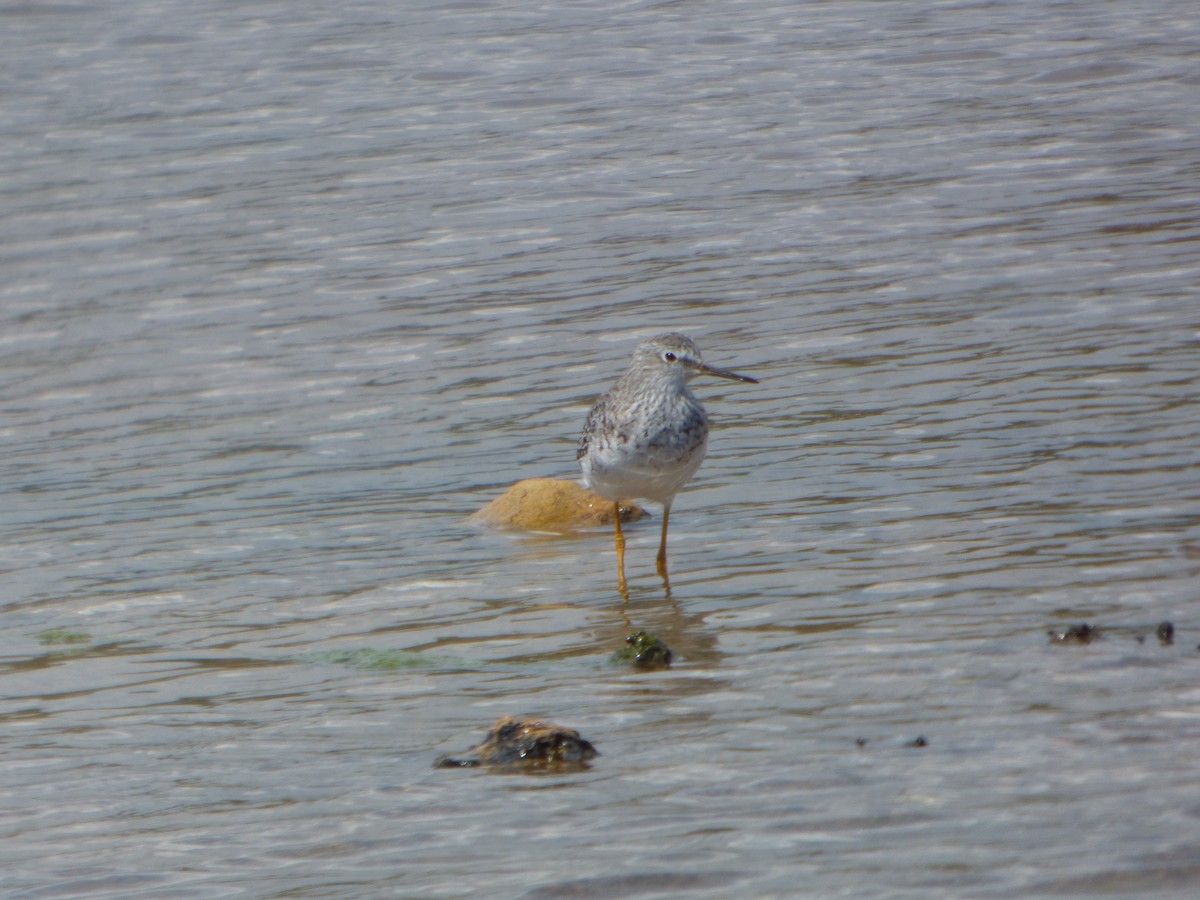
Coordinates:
(292,288)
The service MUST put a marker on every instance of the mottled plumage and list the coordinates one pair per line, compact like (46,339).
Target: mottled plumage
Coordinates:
(647,436)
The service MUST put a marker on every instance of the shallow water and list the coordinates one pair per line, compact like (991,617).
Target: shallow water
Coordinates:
(291,289)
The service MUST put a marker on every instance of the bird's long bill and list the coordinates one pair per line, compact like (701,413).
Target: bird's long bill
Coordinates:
(704,369)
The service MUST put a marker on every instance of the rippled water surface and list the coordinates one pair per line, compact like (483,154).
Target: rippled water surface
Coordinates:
(290,289)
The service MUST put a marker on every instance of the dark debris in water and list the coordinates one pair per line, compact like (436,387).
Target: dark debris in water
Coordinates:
(1074,634)
(918,741)
(1084,633)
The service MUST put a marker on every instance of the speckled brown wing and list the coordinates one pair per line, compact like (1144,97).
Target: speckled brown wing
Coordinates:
(595,420)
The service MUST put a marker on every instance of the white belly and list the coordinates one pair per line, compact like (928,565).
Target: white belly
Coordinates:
(621,471)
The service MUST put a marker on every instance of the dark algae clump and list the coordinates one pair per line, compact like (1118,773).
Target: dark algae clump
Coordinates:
(643,650)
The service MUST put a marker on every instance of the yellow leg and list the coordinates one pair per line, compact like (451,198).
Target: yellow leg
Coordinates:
(621,586)
(662,543)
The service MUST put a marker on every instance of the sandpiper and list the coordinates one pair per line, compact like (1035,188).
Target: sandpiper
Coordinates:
(647,436)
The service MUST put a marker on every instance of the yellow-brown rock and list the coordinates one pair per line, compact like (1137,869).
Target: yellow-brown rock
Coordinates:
(554,505)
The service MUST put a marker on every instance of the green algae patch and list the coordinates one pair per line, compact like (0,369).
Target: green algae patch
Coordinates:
(62,636)
(387,660)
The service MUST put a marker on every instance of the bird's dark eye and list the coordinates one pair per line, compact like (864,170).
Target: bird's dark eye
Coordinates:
(669,357)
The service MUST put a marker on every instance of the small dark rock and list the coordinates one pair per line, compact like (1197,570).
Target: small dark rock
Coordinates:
(1165,632)
(861,742)
(1075,634)
(517,744)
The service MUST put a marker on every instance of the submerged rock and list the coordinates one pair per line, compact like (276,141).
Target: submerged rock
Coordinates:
(643,650)
(554,505)
(518,744)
